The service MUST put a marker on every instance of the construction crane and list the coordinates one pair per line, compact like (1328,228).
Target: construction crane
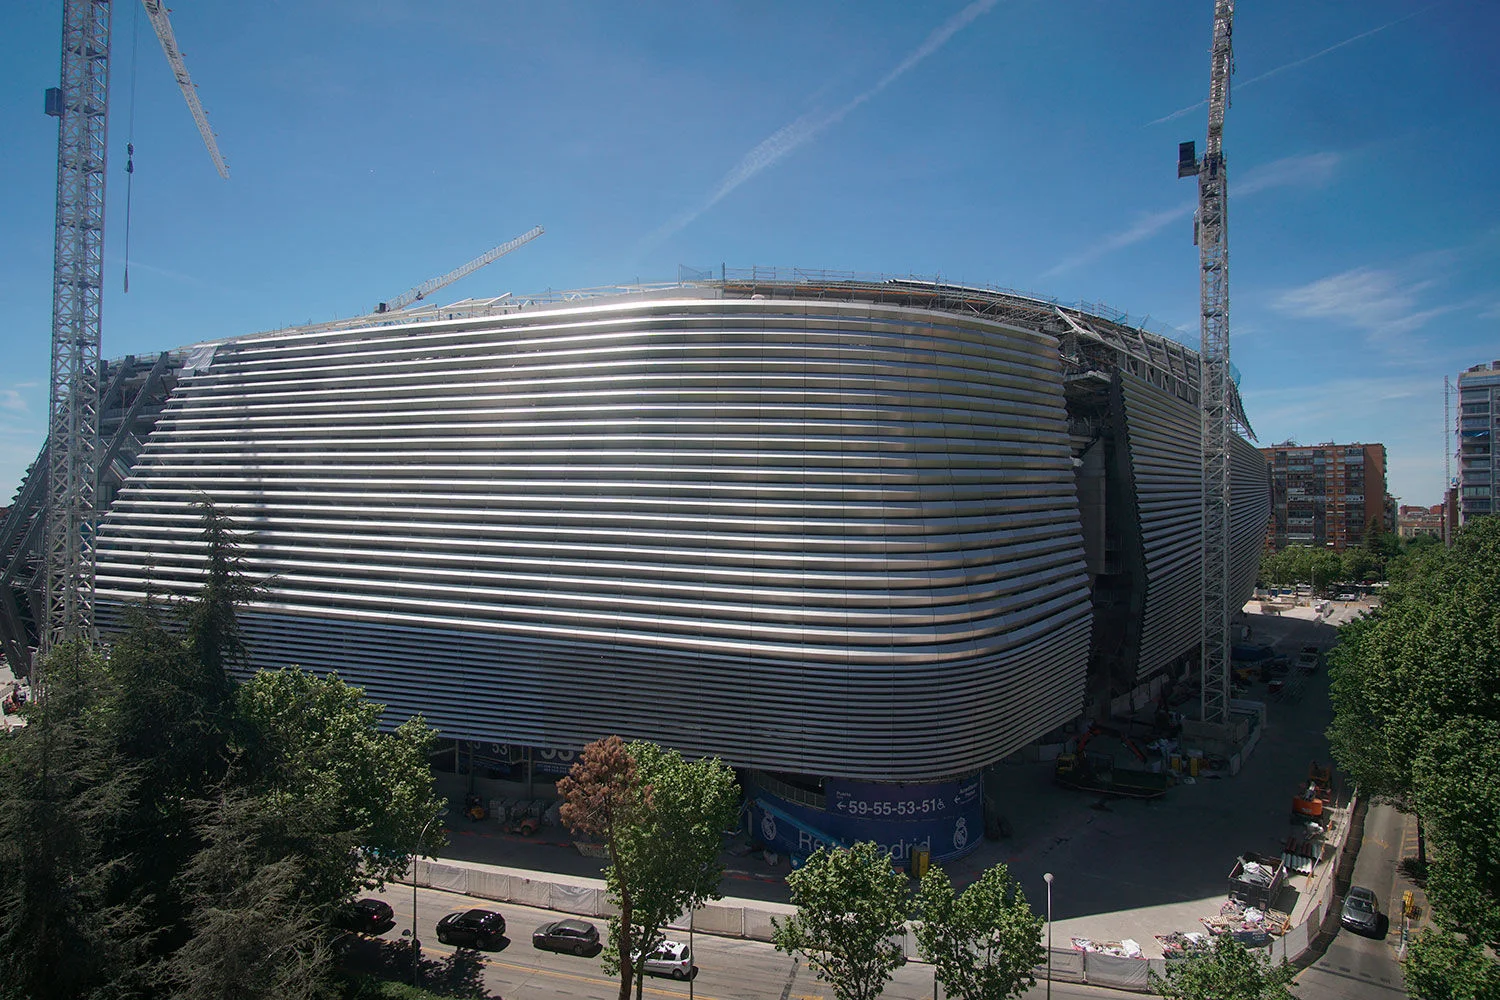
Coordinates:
(431,285)
(1211,233)
(1448,449)
(81,104)
(163,28)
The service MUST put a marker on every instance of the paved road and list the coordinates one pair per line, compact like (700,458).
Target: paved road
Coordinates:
(729,969)
(1356,967)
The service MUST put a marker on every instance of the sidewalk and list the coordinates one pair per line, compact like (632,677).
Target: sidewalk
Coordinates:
(1124,869)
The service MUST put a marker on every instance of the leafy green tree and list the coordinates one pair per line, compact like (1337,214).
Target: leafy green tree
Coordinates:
(350,799)
(62,790)
(1416,695)
(850,903)
(1441,965)
(1358,565)
(1456,787)
(663,818)
(983,942)
(1429,655)
(1323,569)
(603,796)
(1230,971)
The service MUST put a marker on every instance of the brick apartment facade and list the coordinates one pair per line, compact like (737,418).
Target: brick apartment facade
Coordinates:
(1325,495)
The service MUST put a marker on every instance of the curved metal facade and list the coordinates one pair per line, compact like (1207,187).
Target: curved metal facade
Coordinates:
(831,538)
(1166,469)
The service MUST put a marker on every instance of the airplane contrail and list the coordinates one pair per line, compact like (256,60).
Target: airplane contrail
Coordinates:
(1292,65)
(804,129)
(1312,168)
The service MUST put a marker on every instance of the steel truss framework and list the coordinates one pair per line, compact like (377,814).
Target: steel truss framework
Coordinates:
(77,293)
(1214,380)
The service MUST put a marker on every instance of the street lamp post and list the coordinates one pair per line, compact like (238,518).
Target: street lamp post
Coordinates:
(416,945)
(1048,878)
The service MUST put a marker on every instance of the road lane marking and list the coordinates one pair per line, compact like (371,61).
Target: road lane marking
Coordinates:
(538,970)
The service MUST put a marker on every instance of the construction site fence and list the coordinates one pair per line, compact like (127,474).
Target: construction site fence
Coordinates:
(751,919)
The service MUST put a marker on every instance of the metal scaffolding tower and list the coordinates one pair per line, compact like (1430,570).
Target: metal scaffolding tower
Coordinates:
(1211,232)
(81,104)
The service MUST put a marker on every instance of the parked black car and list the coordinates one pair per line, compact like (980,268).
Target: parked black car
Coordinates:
(578,937)
(366,916)
(475,928)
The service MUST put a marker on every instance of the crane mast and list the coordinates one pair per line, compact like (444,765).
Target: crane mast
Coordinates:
(1211,232)
(81,105)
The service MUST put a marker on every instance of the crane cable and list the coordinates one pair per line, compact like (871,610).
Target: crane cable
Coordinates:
(135,35)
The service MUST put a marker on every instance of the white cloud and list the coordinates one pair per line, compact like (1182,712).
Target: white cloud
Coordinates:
(12,401)
(1386,306)
(785,140)
(1242,84)
(1311,169)
(1144,228)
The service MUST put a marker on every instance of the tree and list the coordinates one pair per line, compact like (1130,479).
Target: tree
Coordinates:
(662,818)
(1416,695)
(602,796)
(256,932)
(983,942)
(1441,965)
(1456,789)
(850,903)
(1228,972)
(349,799)
(61,792)
(1430,654)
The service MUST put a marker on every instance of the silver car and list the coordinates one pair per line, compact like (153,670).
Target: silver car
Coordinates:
(671,958)
(1361,912)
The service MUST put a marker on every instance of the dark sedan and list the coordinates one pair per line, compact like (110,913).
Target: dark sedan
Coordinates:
(474,928)
(1361,912)
(577,937)
(366,916)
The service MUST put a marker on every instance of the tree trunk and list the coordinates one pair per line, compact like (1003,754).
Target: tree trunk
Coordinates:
(627,961)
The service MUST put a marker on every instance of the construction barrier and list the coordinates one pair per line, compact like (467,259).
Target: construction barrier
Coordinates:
(752,920)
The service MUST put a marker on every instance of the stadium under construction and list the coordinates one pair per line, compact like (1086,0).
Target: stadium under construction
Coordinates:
(859,537)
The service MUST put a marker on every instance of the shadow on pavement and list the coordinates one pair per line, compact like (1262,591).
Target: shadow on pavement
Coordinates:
(458,975)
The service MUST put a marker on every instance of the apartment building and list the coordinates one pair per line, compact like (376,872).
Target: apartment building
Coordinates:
(1414,521)
(1478,421)
(1325,495)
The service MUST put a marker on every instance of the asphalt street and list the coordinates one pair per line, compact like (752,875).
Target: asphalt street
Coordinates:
(729,969)
(1356,967)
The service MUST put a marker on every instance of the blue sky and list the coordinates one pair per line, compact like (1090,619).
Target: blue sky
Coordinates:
(1026,143)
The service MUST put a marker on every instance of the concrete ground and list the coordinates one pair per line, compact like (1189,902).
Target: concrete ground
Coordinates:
(1122,868)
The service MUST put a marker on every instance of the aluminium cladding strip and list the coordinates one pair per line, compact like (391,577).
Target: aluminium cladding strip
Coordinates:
(837,538)
(1249,513)
(1165,465)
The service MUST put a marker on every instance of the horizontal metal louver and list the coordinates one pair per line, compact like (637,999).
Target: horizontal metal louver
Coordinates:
(1166,465)
(832,538)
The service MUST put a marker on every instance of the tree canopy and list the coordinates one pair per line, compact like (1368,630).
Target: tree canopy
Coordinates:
(1229,971)
(662,818)
(851,906)
(1416,697)
(983,942)
(165,830)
